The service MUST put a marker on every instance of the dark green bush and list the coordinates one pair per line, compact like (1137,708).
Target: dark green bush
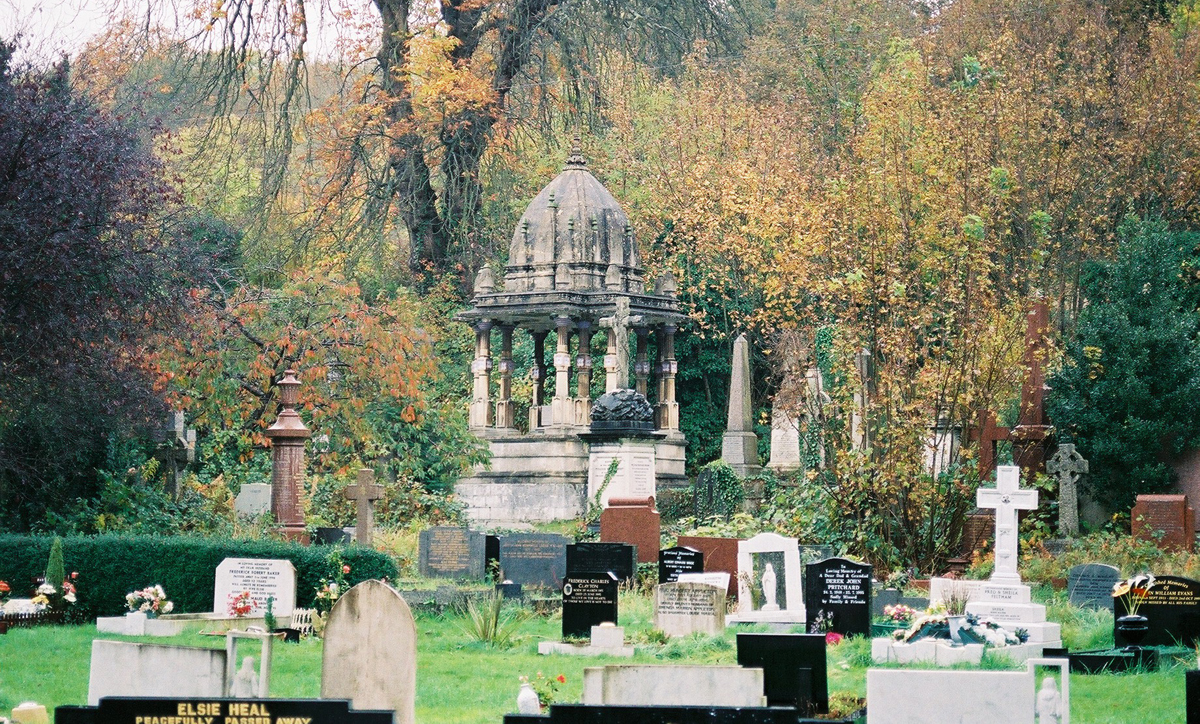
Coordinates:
(110,566)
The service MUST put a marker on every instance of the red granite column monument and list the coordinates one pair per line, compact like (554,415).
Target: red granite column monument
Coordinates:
(288,436)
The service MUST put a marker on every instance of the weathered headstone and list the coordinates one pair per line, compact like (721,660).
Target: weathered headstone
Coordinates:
(794,669)
(253,499)
(720,555)
(370,652)
(718,579)
(1090,585)
(1007,498)
(1172,608)
(785,441)
(1165,520)
(739,446)
(769,580)
(449,552)
(682,609)
(838,591)
(125,668)
(1068,466)
(364,493)
(588,600)
(263,578)
(676,560)
(534,559)
(616,558)
(633,521)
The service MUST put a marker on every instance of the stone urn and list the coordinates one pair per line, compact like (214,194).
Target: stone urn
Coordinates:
(1133,628)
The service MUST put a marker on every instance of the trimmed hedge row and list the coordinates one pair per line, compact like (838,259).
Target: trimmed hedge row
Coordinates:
(110,566)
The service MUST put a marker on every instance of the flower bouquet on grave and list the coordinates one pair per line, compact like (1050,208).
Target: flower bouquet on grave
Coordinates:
(151,600)
(1133,592)
(241,604)
(899,614)
(979,631)
(545,686)
(51,598)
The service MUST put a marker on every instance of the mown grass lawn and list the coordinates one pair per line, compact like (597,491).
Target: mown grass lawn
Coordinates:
(462,682)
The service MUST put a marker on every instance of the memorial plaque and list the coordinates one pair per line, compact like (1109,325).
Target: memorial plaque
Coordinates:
(1172,609)
(720,555)
(446,552)
(263,578)
(616,558)
(588,600)
(143,710)
(680,559)
(534,559)
(839,592)
(1090,585)
(1165,520)
(682,609)
(793,665)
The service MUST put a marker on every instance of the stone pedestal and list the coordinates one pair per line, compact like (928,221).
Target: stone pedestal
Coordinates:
(288,436)
(1006,604)
(635,476)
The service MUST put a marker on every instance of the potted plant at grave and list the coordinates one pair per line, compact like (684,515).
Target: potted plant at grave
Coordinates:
(151,600)
(894,618)
(1133,592)
(955,600)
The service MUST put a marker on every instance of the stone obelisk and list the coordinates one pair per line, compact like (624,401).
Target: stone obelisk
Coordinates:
(739,446)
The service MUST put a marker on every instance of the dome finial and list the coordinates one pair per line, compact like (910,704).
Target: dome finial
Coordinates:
(575,158)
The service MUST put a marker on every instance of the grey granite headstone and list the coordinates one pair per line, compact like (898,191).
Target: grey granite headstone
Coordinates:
(253,499)
(447,552)
(534,559)
(1090,585)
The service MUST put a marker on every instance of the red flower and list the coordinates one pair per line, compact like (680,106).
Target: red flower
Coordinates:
(74,575)
(833,638)
(345,569)
(562,679)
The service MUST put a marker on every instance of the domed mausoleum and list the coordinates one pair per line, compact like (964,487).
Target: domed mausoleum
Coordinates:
(573,272)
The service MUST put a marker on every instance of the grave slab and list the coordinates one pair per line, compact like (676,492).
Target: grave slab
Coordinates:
(672,685)
(123,668)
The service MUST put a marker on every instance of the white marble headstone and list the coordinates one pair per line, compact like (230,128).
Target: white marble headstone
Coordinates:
(263,578)
(751,573)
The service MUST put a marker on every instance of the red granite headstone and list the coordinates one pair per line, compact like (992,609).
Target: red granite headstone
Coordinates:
(633,521)
(1166,520)
(720,555)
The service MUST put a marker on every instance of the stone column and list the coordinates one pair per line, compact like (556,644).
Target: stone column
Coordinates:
(504,403)
(562,409)
(641,365)
(481,369)
(668,408)
(288,436)
(610,362)
(538,373)
(583,374)
(739,446)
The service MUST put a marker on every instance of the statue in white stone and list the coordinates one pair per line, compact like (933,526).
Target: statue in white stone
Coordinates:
(245,681)
(527,700)
(768,586)
(1049,703)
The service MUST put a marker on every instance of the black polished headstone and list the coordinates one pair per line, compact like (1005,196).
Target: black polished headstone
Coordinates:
(589,714)
(617,558)
(508,589)
(1090,585)
(1191,696)
(1172,610)
(141,710)
(793,665)
(534,559)
(841,590)
(448,552)
(588,599)
(680,559)
(491,547)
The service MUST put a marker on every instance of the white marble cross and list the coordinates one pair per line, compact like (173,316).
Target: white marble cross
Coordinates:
(1006,498)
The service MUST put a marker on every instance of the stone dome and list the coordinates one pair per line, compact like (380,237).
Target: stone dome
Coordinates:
(574,236)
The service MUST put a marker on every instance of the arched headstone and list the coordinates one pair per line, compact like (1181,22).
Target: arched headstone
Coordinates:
(371,651)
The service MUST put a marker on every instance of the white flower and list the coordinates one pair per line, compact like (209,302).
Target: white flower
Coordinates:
(46,589)
(69,598)
(167,607)
(145,606)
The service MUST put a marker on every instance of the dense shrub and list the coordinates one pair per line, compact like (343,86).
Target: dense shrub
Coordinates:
(110,566)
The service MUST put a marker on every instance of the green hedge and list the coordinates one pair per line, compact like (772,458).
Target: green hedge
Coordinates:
(110,566)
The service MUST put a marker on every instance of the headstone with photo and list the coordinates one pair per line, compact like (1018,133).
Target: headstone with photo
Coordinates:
(449,552)
(534,559)
(370,651)
(1090,585)
(837,597)
(676,560)
(262,578)
(794,668)
(682,609)
(720,555)
(1172,607)
(588,600)
(769,588)
(617,558)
